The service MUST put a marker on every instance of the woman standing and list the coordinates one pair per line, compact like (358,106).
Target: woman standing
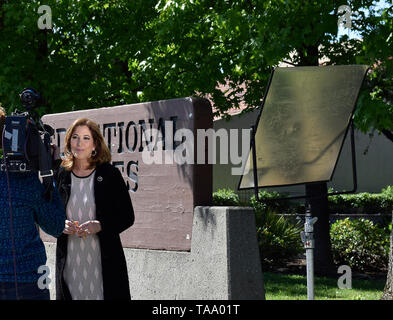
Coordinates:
(90,262)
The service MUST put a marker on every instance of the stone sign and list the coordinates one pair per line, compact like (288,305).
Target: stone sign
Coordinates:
(154,146)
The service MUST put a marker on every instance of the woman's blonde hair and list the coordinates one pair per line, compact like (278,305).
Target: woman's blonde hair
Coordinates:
(102,153)
(2,112)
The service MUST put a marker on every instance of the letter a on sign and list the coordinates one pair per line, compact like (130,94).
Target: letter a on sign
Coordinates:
(345,281)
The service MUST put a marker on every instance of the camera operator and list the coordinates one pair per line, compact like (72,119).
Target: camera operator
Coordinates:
(22,252)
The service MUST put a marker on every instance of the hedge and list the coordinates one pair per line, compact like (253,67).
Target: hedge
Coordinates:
(368,203)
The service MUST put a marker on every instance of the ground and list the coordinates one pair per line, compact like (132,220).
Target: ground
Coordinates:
(298,266)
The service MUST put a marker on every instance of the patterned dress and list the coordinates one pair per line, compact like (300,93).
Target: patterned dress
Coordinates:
(83,269)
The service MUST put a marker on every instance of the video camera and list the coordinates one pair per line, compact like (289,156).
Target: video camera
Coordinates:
(26,140)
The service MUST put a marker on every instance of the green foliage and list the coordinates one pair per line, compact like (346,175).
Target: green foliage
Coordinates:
(360,244)
(103,53)
(278,237)
(294,287)
(268,202)
(375,107)
(387,192)
(91,58)
(225,197)
(362,202)
(367,203)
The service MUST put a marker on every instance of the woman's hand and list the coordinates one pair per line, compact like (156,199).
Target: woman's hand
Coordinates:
(71,227)
(89,228)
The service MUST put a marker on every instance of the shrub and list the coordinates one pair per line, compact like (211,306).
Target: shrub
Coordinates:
(388,192)
(387,201)
(364,202)
(278,237)
(360,244)
(225,197)
(267,202)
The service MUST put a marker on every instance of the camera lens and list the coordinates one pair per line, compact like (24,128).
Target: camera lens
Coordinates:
(26,97)
(29,97)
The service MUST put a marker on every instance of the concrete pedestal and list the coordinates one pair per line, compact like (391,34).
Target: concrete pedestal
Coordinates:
(223,262)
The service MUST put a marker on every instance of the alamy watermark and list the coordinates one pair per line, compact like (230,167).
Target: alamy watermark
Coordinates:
(344,19)
(45,21)
(44,280)
(345,281)
(180,148)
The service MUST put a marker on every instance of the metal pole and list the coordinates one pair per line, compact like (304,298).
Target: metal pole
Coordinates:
(310,273)
(254,162)
(308,239)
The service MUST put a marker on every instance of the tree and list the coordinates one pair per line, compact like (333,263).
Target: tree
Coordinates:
(375,109)
(85,61)
(102,53)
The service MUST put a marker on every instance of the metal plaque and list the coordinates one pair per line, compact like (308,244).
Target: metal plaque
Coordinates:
(303,124)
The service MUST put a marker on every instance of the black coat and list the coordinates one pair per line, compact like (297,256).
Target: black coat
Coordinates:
(115,212)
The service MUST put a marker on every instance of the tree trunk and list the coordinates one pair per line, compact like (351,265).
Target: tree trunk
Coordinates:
(323,259)
(388,291)
(308,56)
